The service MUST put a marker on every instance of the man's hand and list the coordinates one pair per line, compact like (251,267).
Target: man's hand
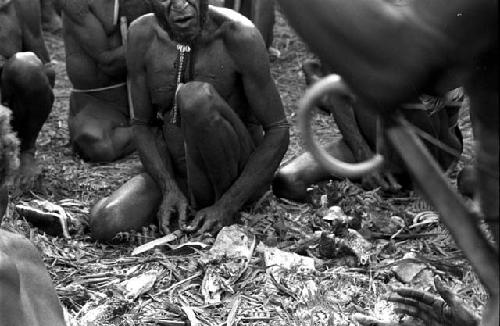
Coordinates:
(382,179)
(431,309)
(210,220)
(174,202)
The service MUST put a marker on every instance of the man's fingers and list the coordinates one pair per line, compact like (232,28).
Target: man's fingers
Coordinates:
(195,225)
(415,306)
(381,182)
(365,320)
(183,215)
(444,292)
(165,223)
(393,183)
(164,216)
(210,226)
(425,307)
(419,296)
(419,314)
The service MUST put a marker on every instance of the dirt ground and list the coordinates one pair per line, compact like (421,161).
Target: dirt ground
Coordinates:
(87,275)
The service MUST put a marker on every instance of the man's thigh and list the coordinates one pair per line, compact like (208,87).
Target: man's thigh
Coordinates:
(130,207)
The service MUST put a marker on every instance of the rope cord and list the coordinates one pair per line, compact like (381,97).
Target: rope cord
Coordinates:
(99,89)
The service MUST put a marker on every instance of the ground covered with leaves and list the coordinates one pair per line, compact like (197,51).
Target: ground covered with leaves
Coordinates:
(357,244)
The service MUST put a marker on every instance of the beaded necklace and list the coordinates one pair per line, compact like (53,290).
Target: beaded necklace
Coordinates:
(183,54)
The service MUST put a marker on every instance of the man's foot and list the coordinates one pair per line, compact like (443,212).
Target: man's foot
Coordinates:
(28,170)
(288,187)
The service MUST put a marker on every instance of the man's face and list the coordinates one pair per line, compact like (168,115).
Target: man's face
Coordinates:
(183,17)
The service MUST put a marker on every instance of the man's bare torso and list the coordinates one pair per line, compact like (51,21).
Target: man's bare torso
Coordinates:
(10,31)
(213,64)
(83,71)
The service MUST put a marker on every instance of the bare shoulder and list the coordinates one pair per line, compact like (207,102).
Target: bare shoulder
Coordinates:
(142,29)
(241,37)
(242,40)
(141,34)
(234,27)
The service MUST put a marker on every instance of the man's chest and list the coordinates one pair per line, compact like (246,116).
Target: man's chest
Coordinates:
(10,31)
(210,64)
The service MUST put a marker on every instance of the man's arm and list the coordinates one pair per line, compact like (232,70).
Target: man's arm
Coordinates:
(387,53)
(248,51)
(90,33)
(156,163)
(345,118)
(342,110)
(29,13)
(152,148)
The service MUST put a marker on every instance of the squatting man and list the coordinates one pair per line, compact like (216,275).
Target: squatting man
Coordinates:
(208,121)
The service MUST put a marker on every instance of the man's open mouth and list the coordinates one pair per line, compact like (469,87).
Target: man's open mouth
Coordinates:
(183,20)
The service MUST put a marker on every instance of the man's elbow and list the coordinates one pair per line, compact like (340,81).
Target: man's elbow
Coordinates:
(281,137)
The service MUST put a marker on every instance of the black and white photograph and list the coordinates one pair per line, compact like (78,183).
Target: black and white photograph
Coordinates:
(249,163)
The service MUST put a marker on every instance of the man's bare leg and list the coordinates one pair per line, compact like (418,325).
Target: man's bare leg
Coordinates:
(292,180)
(27,91)
(218,144)
(130,207)
(217,147)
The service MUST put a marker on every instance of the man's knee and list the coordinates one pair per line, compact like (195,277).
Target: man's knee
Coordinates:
(26,71)
(94,148)
(196,102)
(89,139)
(103,217)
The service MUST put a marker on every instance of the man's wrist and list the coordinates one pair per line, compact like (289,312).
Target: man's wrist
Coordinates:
(168,186)
(229,205)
